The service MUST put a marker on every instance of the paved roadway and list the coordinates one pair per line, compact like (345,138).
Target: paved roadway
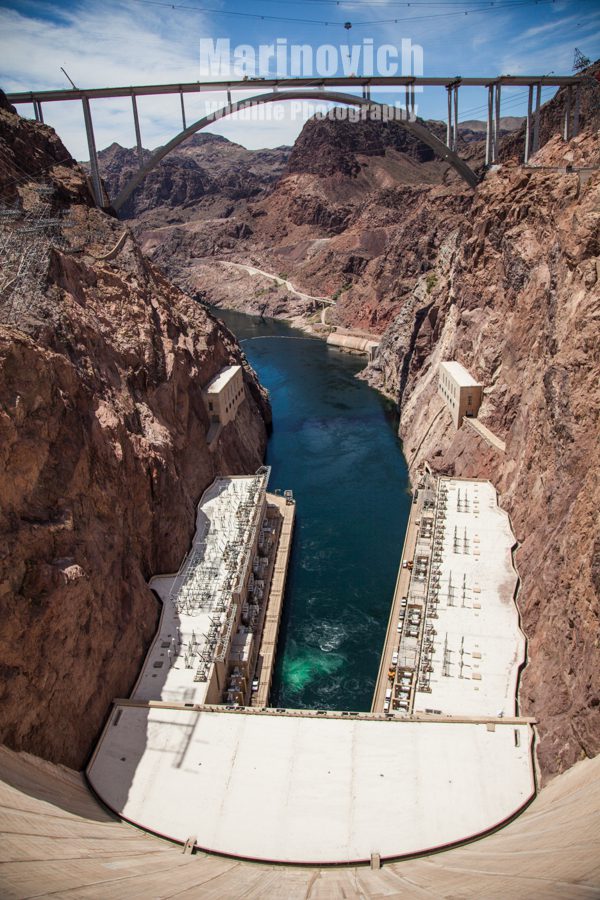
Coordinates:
(281,282)
(485,433)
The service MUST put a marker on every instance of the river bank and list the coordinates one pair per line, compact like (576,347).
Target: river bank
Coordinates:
(245,288)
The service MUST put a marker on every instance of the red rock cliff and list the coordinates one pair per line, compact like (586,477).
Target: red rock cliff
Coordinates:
(515,297)
(103,451)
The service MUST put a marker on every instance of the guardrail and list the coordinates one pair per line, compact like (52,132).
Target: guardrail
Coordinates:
(326,713)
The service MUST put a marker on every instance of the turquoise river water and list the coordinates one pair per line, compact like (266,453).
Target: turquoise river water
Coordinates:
(334,445)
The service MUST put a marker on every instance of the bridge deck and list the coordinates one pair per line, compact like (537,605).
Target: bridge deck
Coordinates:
(195,87)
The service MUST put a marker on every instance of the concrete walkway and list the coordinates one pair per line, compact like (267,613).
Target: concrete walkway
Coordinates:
(401,590)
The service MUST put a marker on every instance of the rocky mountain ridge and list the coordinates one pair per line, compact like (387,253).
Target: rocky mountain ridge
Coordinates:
(475,129)
(515,296)
(207,175)
(326,222)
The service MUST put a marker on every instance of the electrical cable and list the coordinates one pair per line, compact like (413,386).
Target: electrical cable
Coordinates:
(413,4)
(492,7)
(511,101)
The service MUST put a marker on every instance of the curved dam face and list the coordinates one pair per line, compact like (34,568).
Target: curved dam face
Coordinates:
(57,840)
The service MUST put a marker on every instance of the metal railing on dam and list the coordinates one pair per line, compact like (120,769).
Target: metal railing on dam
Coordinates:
(326,713)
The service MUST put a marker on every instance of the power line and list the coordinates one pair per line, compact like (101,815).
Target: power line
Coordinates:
(225,12)
(490,7)
(511,101)
(412,4)
(30,176)
(464,12)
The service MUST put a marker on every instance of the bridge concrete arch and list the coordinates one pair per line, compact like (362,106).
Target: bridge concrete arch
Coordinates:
(381,109)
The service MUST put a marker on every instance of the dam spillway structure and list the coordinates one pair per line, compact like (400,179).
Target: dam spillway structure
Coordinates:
(76,848)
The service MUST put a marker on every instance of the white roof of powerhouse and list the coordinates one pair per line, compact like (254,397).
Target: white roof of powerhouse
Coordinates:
(220,380)
(477,625)
(460,375)
(164,675)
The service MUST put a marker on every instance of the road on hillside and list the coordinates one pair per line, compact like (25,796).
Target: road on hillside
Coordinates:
(282,282)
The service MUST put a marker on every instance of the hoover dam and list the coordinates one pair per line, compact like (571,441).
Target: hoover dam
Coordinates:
(443,757)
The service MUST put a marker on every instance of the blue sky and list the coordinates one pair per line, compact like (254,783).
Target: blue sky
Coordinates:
(123,42)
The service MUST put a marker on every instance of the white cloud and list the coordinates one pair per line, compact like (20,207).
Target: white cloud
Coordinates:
(97,47)
(536,30)
(555,57)
(122,47)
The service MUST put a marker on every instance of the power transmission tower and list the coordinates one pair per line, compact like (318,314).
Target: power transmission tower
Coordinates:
(26,236)
(580,61)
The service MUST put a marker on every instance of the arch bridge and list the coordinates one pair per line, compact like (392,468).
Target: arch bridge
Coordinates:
(327,89)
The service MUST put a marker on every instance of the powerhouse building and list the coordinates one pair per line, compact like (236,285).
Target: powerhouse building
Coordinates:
(459,391)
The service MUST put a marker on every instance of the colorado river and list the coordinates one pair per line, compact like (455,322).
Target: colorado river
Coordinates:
(334,445)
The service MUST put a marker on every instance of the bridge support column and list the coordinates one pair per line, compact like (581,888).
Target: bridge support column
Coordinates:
(567,119)
(497,124)
(536,118)
(228,96)
(452,127)
(488,130)
(577,110)
(455,122)
(528,126)
(182,110)
(409,102)
(89,130)
(37,111)
(138,133)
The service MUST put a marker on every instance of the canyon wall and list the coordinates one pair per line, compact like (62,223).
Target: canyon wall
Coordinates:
(350,196)
(515,296)
(103,451)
